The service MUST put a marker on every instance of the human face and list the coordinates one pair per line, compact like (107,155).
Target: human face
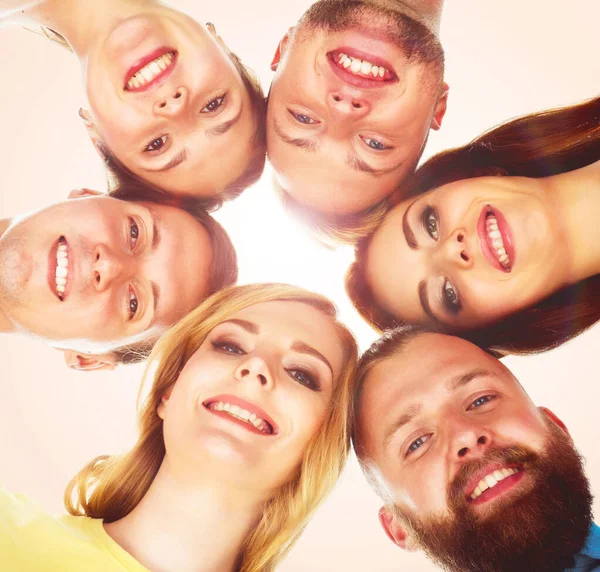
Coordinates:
(341,141)
(467,459)
(169,126)
(276,360)
(436,259)
(132,270)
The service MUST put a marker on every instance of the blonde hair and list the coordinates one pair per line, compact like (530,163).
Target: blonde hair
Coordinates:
(111,487)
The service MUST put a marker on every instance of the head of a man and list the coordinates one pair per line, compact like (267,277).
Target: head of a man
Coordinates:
(358,86)
(101,277)
(471,471)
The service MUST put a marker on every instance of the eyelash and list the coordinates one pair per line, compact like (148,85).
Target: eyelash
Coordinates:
(297,117)
(410,450)
(163,141)
(450,298)
(219,102)
(429,220)
(379,145)
(304,377)
(132,304)
(134,229)
(488,399)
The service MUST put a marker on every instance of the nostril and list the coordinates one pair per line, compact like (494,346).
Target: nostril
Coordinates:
(337,98)
(163,104)
(262,379)
(177,95)
(482,440)
(97,277)
(464,256)
(463,452)
(460,237)
(356,105)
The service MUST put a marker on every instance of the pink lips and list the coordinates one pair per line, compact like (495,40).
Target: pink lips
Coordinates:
(360,80)
(145,61)
(486,244)
(235,400)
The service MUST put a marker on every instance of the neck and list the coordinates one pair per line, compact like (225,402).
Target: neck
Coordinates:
(5,324)
(183,524)
(81,22)
(576,199)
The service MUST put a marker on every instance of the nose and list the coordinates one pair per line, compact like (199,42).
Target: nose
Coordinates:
(173,103)
(107,267)
(348,105)
(255,368)
(469,440)
(456,250)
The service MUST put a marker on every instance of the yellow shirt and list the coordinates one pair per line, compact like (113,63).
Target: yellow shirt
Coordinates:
(33,541)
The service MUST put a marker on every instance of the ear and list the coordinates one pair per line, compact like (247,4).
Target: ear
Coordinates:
(280,51)
(550,415)
(81,193)
(160,410)
(91,130)
(395,531)
(440,108)
(89,362)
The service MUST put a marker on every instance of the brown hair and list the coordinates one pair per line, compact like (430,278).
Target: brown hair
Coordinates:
(117,173)
(537,145)
(109,488)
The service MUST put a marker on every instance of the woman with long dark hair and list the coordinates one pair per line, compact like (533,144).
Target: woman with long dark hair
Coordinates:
(498,240)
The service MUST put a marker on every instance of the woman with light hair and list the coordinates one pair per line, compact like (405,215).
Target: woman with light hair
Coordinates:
(243,433)
(165,94)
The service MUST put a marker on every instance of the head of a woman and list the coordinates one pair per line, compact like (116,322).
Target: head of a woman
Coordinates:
(252,389)
(478,248)
(170,104)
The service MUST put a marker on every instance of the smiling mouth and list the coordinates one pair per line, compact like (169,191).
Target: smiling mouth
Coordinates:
(360,69)
(495,483)
(249,418)
(151,70)
(62,268)
(496,239)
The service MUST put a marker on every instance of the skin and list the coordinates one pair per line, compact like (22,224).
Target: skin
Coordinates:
(553,234)
(384,128)
(186,113)
(215,467)
(111,273)
(455,425)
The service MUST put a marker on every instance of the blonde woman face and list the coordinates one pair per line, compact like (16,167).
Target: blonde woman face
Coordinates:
(166,99)
(252,397)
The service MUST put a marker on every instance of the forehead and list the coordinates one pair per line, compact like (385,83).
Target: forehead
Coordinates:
(424,367)
(288,322)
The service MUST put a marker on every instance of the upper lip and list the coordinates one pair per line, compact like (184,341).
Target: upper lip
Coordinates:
(247,405)
(488,469)
(504,229)
(357,81)
(137,66)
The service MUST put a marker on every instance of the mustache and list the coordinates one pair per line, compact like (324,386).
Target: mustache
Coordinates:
(513,455)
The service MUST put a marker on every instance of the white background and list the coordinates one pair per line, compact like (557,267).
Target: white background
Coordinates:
(504,58)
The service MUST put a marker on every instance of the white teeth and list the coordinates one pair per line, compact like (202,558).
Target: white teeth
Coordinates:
(491,480)
(242,414)
(360,66)
(496,241)
(62,267)
(150,71)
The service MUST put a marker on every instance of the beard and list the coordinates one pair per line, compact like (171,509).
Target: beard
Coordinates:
(541,529)
(418,43)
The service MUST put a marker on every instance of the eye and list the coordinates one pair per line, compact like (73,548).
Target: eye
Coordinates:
(374,144)
(450,297)
(132,306)
(416,444)
(481,401)
(228,347)
(305,378)
(430,223)
(214,104)
(303,118)
(134,233)
(156,144)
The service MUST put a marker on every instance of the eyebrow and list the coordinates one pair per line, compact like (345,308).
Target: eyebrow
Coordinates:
(423,298)
(413,410)
(303,348)
(305,144)
(177,160)
(225,126)
(409,235)
(300,347)
(359,165)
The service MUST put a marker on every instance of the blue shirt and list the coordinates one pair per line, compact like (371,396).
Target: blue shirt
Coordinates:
(588,560)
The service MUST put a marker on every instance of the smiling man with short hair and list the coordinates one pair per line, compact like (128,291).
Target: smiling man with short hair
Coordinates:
(470,470)
(358,86)
(101,277)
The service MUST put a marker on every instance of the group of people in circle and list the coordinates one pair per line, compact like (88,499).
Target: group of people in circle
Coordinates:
(259,390)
